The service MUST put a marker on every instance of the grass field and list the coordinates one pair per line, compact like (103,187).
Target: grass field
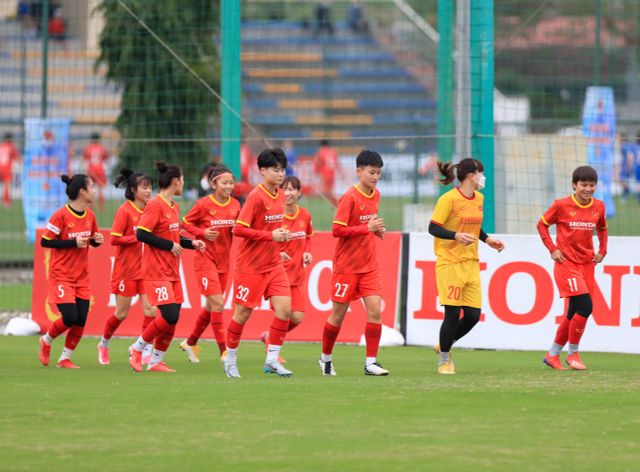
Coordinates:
(503,411)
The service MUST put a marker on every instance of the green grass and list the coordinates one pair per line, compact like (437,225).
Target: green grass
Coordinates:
(503,411)
(15,297)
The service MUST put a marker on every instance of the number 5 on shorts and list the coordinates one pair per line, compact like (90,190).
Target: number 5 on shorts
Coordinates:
(341,289)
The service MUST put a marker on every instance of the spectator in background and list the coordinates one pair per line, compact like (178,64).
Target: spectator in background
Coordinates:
(628,158)
(8,155)
(290,152)
(323,18)
(326,162)
(243,186)
(355,18)
(57,26)
(95,156)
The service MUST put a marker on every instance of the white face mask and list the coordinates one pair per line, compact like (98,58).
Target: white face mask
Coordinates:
(481,180)
(204,183)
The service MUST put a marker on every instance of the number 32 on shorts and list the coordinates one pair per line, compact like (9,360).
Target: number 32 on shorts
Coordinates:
(242,293)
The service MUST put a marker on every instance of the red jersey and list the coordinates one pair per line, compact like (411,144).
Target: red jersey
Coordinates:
(327,161)
(8,154)
(575,224)
(263,212)
(161,218)
(95,155)
(70,264)
(356,254)
(128,258)
(300,229)
(209,213)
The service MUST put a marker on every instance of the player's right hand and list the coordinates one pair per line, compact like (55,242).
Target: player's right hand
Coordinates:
(211,234)
(280,235)
(465,238)
(82,242)
(376,225)
(176,250)
(557,256)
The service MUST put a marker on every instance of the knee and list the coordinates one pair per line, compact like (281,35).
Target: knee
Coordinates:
(216,305)
(583,304)
(297,317)
(472,314)
(69,316)
(170,313)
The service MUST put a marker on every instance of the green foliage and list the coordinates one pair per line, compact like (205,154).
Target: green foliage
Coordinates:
(165,110)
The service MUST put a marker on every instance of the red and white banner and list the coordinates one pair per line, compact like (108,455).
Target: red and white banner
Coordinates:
(521,305)
(318,303)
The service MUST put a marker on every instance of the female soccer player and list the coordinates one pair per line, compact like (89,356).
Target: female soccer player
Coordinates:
(159,229)
(68,234)
(295,253)
(212,218)
(126,278)
(456,225)
(575,217)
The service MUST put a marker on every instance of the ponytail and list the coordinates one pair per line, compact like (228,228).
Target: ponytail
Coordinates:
(168,172)
(449,171)
(130,180)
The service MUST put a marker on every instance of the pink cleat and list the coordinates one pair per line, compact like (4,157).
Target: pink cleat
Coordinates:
(553,362)
(44,352)
(135,360)
(575,362)
(103,355)
(66,364)
(159,367)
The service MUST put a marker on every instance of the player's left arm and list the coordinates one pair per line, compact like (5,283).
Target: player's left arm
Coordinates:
(307,257)
(603,238)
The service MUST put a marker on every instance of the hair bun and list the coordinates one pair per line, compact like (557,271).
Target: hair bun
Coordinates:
(65,178)
(161,167)
(126,173)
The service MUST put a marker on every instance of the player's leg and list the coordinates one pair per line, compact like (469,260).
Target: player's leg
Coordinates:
(240,316)
(74,334)
(6,190)
(123,304)
(583,308)
(297,307)
(215,305)
(166,328)
(470,318)
(372,333)
(450,284)
(552,358)
(277,333)
(148,315)
(330,335)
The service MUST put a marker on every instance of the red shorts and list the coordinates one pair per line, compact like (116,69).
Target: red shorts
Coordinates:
(5,176)
(163,292)
(127,288)
(67,292)
(211,282)
(297,298)
(574,279)
(250,288)
(349,287)
(98,176)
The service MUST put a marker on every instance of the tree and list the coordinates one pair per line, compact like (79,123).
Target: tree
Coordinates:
(165,111)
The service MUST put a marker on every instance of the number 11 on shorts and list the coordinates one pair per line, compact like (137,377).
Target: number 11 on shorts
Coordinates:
(573,284)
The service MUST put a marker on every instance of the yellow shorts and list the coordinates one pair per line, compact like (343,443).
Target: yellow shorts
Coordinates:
(459,284)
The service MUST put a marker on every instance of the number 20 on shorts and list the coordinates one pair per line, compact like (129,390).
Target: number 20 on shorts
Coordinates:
(453,292)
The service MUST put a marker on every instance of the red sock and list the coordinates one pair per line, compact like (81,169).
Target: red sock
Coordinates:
(278,331)
(203,320)
(164,338)
(73,337)
(158,326)
(329,336)
(218,330)
(146,321)
(576,328)
(110,326)
(293,325)
(562,335)
(372,336)
(234,333)
(57,328)
(6,197)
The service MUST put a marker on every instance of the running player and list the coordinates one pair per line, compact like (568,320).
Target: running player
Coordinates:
(456,225)
(212,219)
(575,217)
(95,156)
(159,229)
(356,270)
(8,156)
(259,269)
(69,233)
(296,252)
(126,277)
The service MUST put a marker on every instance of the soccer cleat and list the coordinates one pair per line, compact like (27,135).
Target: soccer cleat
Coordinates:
(574,361)
(326,367)
(135,360)
(223,356)
(159,367)
(103,355)
(553,362)
(264,337)
(375,369)
(275,367)
(66,364)
(231,368)
(146,354)
(145,359)
(447,368)
(44,352)
(193,352)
